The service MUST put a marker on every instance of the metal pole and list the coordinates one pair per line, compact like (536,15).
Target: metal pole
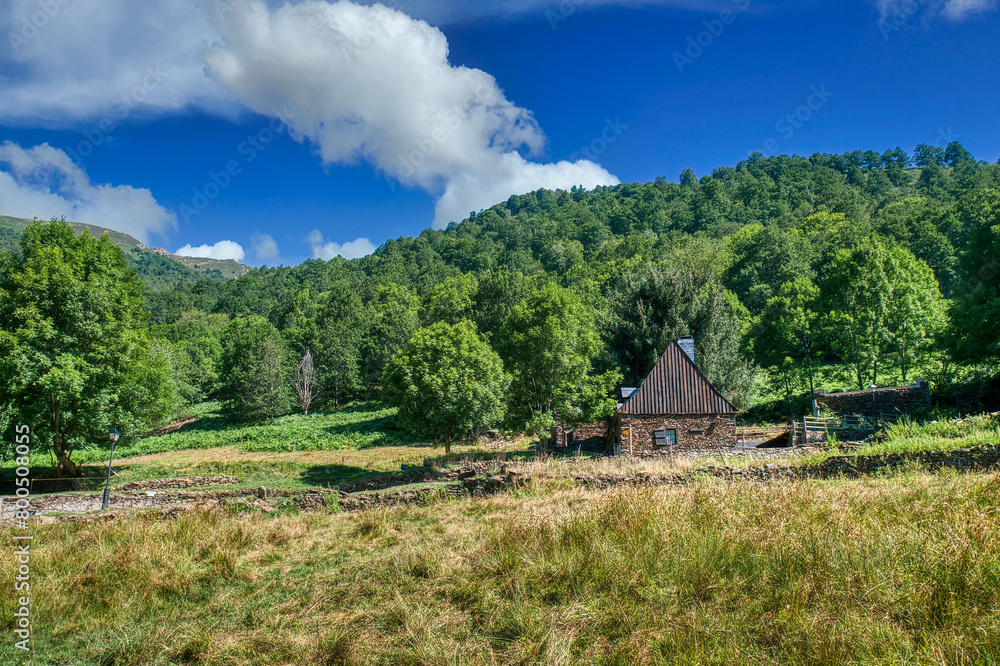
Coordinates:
(107,487)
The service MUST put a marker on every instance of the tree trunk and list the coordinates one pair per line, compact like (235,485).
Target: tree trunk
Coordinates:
(66,467)
(447,440)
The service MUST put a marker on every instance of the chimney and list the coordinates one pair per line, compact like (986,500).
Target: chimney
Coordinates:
(687,344)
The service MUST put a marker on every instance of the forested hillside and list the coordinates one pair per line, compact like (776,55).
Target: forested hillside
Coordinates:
(778,266)
(792,274)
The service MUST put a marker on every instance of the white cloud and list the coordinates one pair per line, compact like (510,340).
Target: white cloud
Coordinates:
(226,249)
(322,249)
(504,175)
(264,247)
(83,59)
(373,84)
(960,9)
(956,10)
(43,182)
(362,83)
(74,64)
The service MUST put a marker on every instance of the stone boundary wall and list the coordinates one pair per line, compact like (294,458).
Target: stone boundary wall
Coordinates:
(704,432)
(888,400)
(984,458)
(186,482)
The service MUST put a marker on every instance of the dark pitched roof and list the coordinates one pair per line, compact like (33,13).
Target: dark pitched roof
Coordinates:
(676,386)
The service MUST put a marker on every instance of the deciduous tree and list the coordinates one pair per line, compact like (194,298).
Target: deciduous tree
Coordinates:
(254,379)
(446,382)
(74,350)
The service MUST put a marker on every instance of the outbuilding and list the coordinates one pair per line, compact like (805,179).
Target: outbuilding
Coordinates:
(675,408)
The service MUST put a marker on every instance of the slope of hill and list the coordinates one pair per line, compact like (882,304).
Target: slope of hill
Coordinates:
(160,270)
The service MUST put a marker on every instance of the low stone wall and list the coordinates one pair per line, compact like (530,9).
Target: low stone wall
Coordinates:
(888,400)
(701,433)
(186,482)
(977,459)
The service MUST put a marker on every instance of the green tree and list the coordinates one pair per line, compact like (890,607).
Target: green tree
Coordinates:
(879,302)
(255,382)
(449,301)
(974,334)
(340,330)
(764,258)
(548,344)
(785,338)
(497,294)
(446,382)
(73,341)
(917,311)
(390,319)
(650,308)
(196,340)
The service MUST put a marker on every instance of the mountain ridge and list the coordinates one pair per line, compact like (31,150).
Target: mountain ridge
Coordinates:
(159,269)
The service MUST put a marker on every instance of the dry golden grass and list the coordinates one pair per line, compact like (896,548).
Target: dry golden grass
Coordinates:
(898,570)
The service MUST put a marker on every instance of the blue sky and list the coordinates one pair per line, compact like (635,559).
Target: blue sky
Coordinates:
(313,129)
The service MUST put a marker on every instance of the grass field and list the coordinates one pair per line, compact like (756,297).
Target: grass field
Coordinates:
(897,570)
(292,452)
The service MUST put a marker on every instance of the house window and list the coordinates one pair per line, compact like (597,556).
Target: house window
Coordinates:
(665,438)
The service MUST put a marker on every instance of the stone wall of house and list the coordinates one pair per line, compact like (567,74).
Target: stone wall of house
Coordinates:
(888,400)
(694,433)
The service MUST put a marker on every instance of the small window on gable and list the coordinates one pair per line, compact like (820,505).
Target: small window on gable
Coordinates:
(665,438)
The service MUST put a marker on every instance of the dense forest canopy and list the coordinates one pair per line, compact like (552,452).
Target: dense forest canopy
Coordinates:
(881,266)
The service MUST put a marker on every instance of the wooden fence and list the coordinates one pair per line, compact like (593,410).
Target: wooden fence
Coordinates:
(838,424)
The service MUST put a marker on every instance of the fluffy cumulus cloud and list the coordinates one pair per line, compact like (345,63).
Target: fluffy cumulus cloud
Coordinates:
(225,249)
(264,247)
(323,249)
(360,82)
(44,182)
(374,84)
(84,61)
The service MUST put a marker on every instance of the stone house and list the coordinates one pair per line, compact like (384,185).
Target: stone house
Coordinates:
(674,409)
